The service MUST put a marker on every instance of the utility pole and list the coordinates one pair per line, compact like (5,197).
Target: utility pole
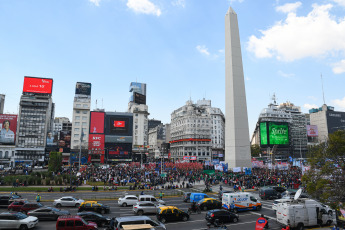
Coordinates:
(81,141)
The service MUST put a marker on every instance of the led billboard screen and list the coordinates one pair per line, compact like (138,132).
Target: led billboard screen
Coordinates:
(8,128)
(96,143)
(263,133)
(312,131)
(83,88)
(139,98)
(97,122)
(65,141)
(119,126)
(52,138)
(335,121)
(278,133)
(38,85)
(119,151)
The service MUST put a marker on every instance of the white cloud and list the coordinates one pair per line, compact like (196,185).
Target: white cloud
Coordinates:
(316,35)
(288,7)
(232,1)
(310,106)
(96,2)
(180,3)
(339,102)
(247,78)
(203,50)
(144,6)
(340,2)
(312,98)
(287,75)
(339,67)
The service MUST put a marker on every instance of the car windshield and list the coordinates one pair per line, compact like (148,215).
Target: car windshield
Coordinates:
(201,201)
(39,205)
(20,216)
(55,209)
(84,221)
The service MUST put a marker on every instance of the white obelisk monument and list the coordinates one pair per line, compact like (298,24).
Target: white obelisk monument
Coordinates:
(237,146)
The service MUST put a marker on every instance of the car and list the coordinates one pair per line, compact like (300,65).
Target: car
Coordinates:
(6,200)
(222,215)
(67,201)
(269,193)
(186,196)
(30,206)
(17,220)
(94,207)
(48,213)
(131,220)
(279,189)
(171,213)
(209,203)
(16,205)
(74,222)
(145,207)
(290,194)
(220,194)
(95,217)
(151,198)
(127,200)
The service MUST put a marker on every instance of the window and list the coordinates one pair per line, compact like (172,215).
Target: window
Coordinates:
(61,223)
(76,129)
(78,223)
(77,111)
(84,118)
(77,123)
(70,223)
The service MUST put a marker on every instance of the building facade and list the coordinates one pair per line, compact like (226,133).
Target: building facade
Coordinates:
(2,103)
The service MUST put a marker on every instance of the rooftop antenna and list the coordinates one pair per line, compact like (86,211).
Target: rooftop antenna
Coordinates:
(96,105)
(102,103)
(323,92)
(274,98)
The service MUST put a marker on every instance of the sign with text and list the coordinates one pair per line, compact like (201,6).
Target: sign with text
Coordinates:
(312,131)
(96,143)
(8,129)
(192,158)
(97,122)
(38,85)
(83,88)
(278,133)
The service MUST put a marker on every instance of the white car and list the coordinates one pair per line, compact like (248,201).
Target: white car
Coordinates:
(151,198)
(128,200)
(68,201)
(17,220)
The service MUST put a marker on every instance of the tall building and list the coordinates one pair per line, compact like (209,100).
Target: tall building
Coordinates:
(193,130)
(157,136)
(237,149)
(81,116)
(2,103)
(152,123)
(36,113)
(218,132)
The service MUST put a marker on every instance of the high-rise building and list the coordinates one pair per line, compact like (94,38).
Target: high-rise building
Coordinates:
(237,149)
(2,103)
(36,113)
(81,116)
(157,136)
(152,123)
(218,132)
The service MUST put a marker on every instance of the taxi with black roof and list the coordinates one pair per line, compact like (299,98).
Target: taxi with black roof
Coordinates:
(171,213)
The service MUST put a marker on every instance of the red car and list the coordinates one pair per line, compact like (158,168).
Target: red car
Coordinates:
(16,205)
(74,222)
(30,206)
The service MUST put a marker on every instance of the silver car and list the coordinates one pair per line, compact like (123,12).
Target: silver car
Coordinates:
(67,201)
(145,207)
(17,220)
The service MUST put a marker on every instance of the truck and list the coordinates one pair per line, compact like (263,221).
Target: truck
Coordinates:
(240,201)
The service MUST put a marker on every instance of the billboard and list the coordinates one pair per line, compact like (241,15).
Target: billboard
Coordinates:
(119,151)
(263,133)
(97,122)
(139,98)
(52,139)
(96,143)
(83,88)
(38,85)
(193,158)
(119,124)
(8,129)
(65,141)
(312,131)
(278,133)
(335,121)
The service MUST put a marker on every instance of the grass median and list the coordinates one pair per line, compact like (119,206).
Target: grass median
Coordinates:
(56,189)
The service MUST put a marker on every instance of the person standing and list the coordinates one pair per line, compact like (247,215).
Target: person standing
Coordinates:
(38,198)
(161,195)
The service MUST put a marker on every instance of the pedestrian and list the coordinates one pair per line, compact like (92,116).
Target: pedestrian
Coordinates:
(161,195)
(38,198)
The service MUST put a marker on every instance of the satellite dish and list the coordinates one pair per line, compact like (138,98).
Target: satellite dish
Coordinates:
(78,174)
(298,194)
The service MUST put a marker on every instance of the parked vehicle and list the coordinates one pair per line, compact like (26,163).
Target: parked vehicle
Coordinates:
(74,222)
(196,197)
(240,201)
(279,189)
(48,213)
(127,200)
(269,193)
(145,207)
(186,196)
(209,203)
(95,217)
(67,201)
(16,205)
(17,220)
(94,207)
(151,198)
(223,216)
(171,213)
(6,200)
(30,206)
(278,201)
(119,222)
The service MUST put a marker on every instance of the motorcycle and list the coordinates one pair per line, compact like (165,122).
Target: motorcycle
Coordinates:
(194,209)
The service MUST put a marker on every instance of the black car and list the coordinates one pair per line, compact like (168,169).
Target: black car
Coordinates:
(269,193)
(171,213)
(95,217)
(186,196)
(209,203)
(94,207)
(6,200)
(48,213)
(279,189)
(222,216)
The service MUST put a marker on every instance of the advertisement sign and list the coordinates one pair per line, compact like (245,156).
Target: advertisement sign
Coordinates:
(83,88)
(8,129)
(139,98)
(96,143)
(335,121)
(263,133)
(193,158)
(38,85)
(65,141)
(52,139)
(119,126)
(96,122)
(278,133)
(312,131)
(119,150)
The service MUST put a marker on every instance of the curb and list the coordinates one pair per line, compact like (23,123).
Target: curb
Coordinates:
(107,199)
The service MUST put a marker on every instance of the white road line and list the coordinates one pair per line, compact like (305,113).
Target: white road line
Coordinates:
(185,222)
(259,214)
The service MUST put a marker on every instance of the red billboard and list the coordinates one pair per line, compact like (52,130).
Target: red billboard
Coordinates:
(121,124)
(97,122)
(312,131)
(37,85)
(96,143)
(8,129)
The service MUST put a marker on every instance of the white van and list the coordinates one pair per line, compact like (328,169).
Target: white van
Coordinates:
(240,201)
(276,202)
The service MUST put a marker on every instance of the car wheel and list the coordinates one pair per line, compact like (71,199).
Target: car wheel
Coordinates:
(140,212)
(329,222)
(102,224)
(258,208)
(124,205)
(300,226)
(235,220)
(23,227)
(184,218)
(77,205)
(205,208)
(102,211)
(58,205)
(163,220)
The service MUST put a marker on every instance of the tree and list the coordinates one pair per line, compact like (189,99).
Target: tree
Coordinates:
(55,161)
(326,178)
(255,150)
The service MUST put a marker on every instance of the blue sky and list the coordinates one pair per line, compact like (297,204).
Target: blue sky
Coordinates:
(177,48)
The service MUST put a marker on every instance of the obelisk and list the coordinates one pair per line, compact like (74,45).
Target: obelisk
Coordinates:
(237,146)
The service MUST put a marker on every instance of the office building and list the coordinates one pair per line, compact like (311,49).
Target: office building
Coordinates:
(2,103)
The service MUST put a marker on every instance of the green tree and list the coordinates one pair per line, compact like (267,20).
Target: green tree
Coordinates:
(55,161)
(326,178)
(255,150)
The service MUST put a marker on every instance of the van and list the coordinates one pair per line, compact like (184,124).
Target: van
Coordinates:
(131,220)
(151,198)
(74,222)
(196,197)
(269,193)
(240,201)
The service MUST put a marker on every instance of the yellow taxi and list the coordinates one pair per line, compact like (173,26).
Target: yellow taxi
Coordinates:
(88,202)
(171,213)
(93,206)
(209,203)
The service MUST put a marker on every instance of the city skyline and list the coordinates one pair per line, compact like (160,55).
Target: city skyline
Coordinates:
(176,48)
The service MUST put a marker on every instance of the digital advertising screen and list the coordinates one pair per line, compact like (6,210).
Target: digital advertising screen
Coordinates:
(335,121)
(83,88)
(8,129)
(278,133)
(119,125)
(263,133)
(139,98)
(312,131)
(65,141)
(121,151)
(96,143)
(97,122)
(38,85)
(52,138)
